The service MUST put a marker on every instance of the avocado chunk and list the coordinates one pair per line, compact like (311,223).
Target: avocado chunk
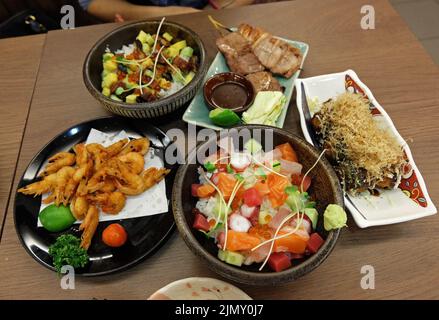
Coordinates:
(313,215)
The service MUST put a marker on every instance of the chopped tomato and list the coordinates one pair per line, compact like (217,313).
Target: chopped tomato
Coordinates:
(226,184)
(205,190)
(252,198)
(291,243)
(279,261)
(296,179)
(288,152)
(277,185)
(315,241)
(194,189)
(201,223)
(262,188)
(239,241)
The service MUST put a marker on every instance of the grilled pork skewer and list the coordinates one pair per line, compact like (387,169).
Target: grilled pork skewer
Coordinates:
(275,54)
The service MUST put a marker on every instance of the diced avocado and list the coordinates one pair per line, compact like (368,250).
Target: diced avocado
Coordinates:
(132,98)
(178,77)
(116,98)
(252,146)
(106,92)
(313,215)
(147,63)
(110,65)
(167,37)
(264,217)
(146,48)
(142,36)
(179,45)
(108,80)
(222,254)
(295,201)
(107,56)
(189,77)
(186,53)
(170,52)
(149,73)
(234,258)
(149,39)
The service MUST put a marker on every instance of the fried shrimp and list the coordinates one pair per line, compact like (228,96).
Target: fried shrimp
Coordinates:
(40,187)
(89,226)
(79,207)
(152,176)
(116,148)
(98,153)
(57,162)
(114,203)
(140,145)
(81,153)
(82,173)
(62,178)
(94,179)
(129,182)
(134,160)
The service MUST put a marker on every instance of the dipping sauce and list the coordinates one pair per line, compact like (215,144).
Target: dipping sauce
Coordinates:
(229,95)
(228,91)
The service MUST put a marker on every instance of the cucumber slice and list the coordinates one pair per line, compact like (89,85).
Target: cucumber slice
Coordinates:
(222,254)
(234,258)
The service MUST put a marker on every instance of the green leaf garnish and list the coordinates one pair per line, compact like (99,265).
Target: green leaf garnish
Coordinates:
(209,166)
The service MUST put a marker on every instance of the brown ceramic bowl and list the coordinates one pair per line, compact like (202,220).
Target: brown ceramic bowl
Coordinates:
(229,90)
(325,189)
(125,35)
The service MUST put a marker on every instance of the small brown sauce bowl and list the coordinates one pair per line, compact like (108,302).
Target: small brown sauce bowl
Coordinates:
(229,91)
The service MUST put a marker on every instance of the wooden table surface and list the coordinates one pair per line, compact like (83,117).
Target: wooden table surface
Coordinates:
(18,72)
(388,59)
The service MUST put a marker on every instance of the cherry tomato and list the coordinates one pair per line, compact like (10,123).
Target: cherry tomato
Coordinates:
(114,235)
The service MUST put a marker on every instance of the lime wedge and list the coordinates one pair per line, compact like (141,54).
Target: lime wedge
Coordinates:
(223,117)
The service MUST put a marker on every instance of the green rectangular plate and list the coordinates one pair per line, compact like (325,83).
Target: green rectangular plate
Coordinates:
(198,114)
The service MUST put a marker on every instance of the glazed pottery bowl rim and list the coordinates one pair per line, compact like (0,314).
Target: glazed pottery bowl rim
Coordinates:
(235,273)
(243,80)
(97,94)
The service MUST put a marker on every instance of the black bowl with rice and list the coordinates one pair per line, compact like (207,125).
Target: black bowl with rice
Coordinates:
(148,78)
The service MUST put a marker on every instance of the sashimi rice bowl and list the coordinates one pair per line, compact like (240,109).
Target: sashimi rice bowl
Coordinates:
(263,208)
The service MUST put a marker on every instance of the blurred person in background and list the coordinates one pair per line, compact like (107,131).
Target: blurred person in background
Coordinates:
(120,10)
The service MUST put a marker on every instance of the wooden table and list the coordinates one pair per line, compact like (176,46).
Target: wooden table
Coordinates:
(388,59)
(18,72)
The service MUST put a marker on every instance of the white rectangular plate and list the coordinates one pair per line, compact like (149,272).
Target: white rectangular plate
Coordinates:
(407,202)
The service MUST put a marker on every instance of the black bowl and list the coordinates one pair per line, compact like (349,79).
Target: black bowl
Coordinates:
(125,35)
(325,189)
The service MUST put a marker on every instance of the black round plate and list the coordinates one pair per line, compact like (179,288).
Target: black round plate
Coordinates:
(145,235)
